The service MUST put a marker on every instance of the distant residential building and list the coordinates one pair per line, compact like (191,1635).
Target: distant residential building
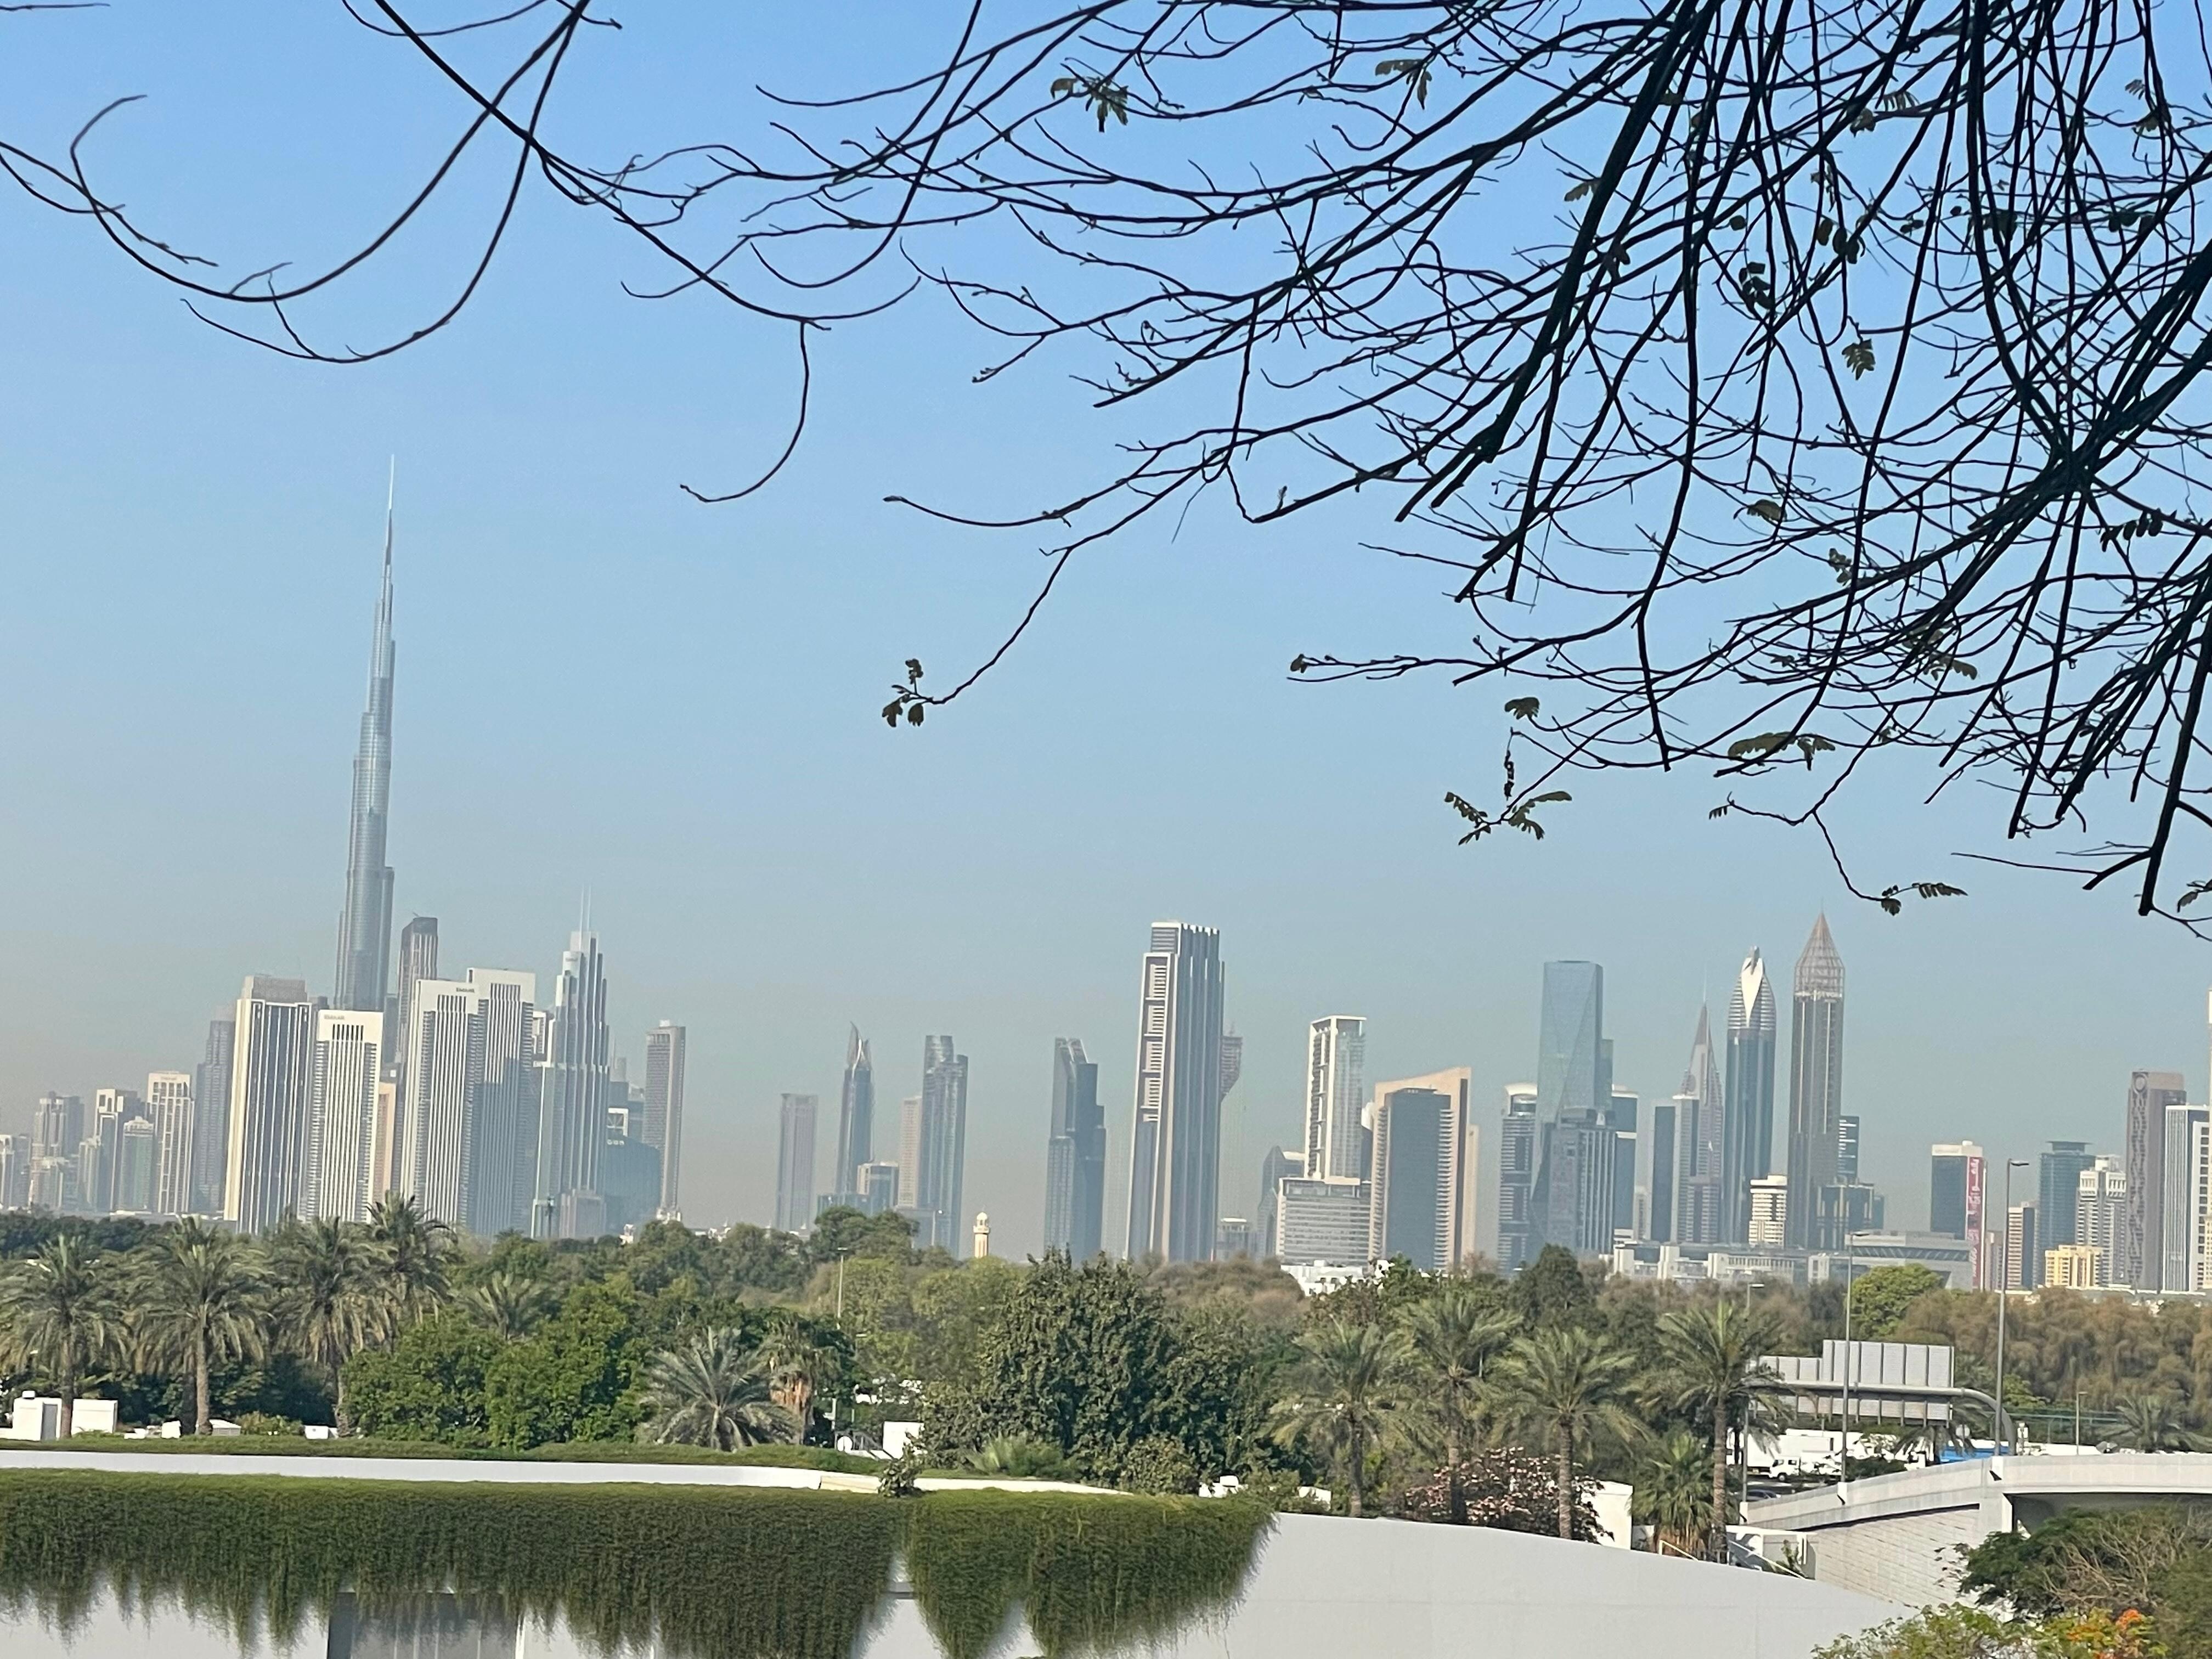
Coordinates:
(1816,1079)
(1769,1212)
(270,1140)
(1517,1138)
(1420,1170)
(349,1065)
(138,1166)
(629,1171)
(2178,1207)
(1336,1141)
(99,1162)
(2076,1267)
(1847,1148)
(59,1126)
(1322,1218)
(418,961)
(1849,1207)
(15,1172)
(2058,1179)
(1236,1236)
(1175,1162)
(572,1093)
(943,1151)
(663,1128)
(794,1165)
(1701,1211)
(2100,1209)
(1956,1174)
(909,1158)
(169,1105)
(2197,1215)
(468,1152)
(1748,1085)
(50,1183)
(1274,1168)
(211,1118)
(2023,1258)
(1622,1109)
(2138,1256)
(1075,1156)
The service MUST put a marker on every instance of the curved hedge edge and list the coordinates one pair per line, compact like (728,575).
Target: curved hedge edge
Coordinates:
(1091,1576)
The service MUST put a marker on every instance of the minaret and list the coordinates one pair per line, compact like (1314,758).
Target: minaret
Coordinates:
(364,925)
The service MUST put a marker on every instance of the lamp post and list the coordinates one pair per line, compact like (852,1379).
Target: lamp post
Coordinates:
(2004,1288)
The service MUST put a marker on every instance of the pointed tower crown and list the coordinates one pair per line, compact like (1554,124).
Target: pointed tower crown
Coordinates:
(1751,1005)
(1820,968)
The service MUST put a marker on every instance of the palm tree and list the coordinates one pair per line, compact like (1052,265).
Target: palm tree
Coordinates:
(326,1296)
(1347,1390)
(1563,1386)
(509,1304)
(1713,1370)
(1448,1341)
(796,1360)
(413,1247)
(2151,1423)
(1671,1494)
(57,1314)
(197,1300)
(712,1393)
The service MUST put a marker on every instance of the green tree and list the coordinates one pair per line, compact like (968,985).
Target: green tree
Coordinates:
(797,1358)
(1345,1393)
(1563,1388)
(324,1277)
(1551,1290)
(508,1304)
(58,1316)
(2152,1423)
(1447,1343)
(1880,1299)
(1715,1373)
(713,1391)
(414,1251)
(196,1298)
(1672,1495)
(428,1385)
(841,1231)
(570,1381)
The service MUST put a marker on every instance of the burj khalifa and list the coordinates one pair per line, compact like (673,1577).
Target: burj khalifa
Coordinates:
(365,927)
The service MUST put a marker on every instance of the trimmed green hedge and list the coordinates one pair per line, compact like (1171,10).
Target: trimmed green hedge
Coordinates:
(711,1572)
(595,1451)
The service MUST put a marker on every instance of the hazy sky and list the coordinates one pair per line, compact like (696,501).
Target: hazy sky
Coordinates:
(604,685)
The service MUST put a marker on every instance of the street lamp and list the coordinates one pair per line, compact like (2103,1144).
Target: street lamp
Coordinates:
(2004,1287)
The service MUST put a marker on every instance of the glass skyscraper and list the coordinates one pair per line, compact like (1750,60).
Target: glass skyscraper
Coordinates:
(1816,1081)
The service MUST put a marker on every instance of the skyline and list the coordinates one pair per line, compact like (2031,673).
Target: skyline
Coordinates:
(770,865)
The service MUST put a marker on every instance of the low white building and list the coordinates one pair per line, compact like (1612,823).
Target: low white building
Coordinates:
(39,1416)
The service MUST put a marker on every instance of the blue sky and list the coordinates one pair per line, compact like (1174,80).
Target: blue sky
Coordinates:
(604,685)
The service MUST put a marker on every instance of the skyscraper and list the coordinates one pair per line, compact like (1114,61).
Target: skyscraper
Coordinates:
(59,1126)
(1419,1170)
(2058,1178)
(418,961)
(856,1116)
(1659,1217)
(2138,1256)
(466,1149)
(1336,1055)
(943,1151)
(1748,1131)
(909,1158)
(211,1117)
(1175,1163)
(1570,1039)
(349,1063)
(1276,1168)
(1816,1079)
(364,925)
(1847,1148)
(572,1094)
(2100,1203)
(138,1166)
(1956,1172)
(794,1165)
(1075,1157)
(1701,1123)
(169,1099)
(1574,1089)
(2178,1207)
(664,1109)
(271,1144)
(1517,1237)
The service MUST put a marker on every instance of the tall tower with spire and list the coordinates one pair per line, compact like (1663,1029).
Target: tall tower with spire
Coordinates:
(1748,1151)
(1816,1082)
(364,925)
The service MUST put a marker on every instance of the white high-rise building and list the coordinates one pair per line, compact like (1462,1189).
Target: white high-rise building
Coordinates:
(2178,1169)
(2199,1215)
(1769,1212)
(1336,1056)
(572,1096)
(466,1150)
(1324,1218)
(663,1109)
(349,1061)
(169,1099)
(1175,1163)
(272,1071)
(2101,1208)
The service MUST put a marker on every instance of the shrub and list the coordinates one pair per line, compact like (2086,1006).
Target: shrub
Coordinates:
(1507,1488)
(1158,1464)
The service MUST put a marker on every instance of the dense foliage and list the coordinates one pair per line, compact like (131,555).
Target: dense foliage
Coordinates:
(627,1564)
